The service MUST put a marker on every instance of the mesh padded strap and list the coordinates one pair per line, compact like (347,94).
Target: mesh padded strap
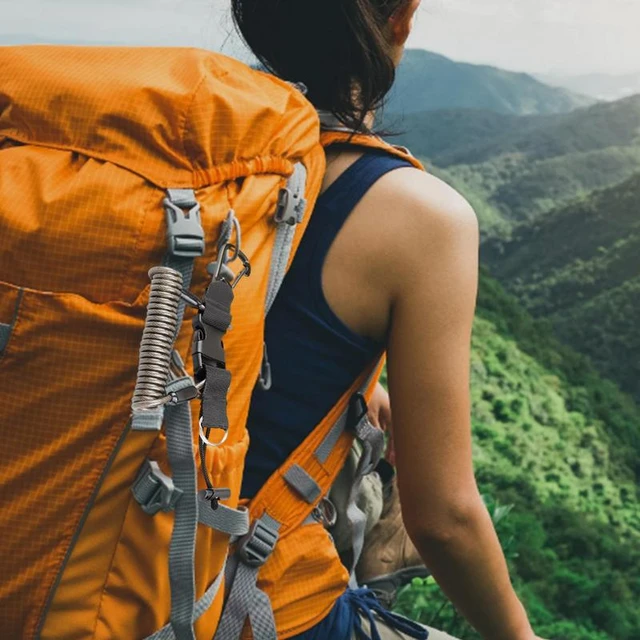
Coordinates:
(321,455)
(167,633)
(245,599)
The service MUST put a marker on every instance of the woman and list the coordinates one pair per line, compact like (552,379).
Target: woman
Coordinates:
(389,260)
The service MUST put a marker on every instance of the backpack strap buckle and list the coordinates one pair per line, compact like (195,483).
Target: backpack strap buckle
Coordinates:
(256,546)
(291,201)
(154,490)
(185,235)
(357,411)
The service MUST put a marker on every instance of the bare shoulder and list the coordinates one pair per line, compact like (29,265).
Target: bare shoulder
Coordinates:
(423,203)
(416,222)
(410,234)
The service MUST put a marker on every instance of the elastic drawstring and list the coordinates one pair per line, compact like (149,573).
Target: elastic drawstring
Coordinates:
(364,601)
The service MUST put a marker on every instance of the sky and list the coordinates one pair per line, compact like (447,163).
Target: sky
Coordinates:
(566,37)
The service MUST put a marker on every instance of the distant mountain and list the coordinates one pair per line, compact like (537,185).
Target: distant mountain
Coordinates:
(515,168)
(596,85)
(428,81)
(579,266)
(468,136)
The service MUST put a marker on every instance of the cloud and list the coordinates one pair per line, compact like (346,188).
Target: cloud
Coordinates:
(202,23)
(564,36)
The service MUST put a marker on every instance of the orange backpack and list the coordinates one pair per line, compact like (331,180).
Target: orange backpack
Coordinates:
(128,178)
(285,575)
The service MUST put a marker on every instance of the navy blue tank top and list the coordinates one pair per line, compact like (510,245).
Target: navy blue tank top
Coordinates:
(314,356)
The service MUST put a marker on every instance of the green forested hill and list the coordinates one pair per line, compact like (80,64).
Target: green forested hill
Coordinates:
(579,266)
(427,81)
(473,136)
(562,446)
(514,169)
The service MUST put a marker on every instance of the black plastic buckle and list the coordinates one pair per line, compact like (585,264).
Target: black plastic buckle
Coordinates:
(358,409)
(207,344)
(256,546)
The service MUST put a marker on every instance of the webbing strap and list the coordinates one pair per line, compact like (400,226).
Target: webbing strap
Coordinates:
(372,440)
(214,397)
(234,522)
(211,326)
(246,600)
(330,441)
(167,632)
(290,213)
(185,242)
(291,209)
(299,480)
(181,457)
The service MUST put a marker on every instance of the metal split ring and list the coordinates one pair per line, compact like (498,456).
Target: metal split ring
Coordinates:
(208,442)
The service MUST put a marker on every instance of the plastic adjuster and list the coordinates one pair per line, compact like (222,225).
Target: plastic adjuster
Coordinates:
(256,546)
(154,490)
(185,235)
(290,208)
(357,411)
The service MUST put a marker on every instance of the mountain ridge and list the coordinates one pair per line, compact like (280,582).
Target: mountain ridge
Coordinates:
(428,81)
(579,266)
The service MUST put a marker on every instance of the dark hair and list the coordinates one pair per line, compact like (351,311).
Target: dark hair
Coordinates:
(337,48)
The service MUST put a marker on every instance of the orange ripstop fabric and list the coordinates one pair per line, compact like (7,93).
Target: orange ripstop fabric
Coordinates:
(329,137)
(304,575)
(90,138)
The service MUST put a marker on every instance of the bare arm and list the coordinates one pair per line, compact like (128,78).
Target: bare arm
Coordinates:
(432,308)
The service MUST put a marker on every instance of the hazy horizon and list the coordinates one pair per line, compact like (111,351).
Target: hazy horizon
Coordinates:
(551,37)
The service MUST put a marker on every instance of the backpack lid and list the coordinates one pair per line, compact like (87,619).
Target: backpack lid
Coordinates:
(179,117)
